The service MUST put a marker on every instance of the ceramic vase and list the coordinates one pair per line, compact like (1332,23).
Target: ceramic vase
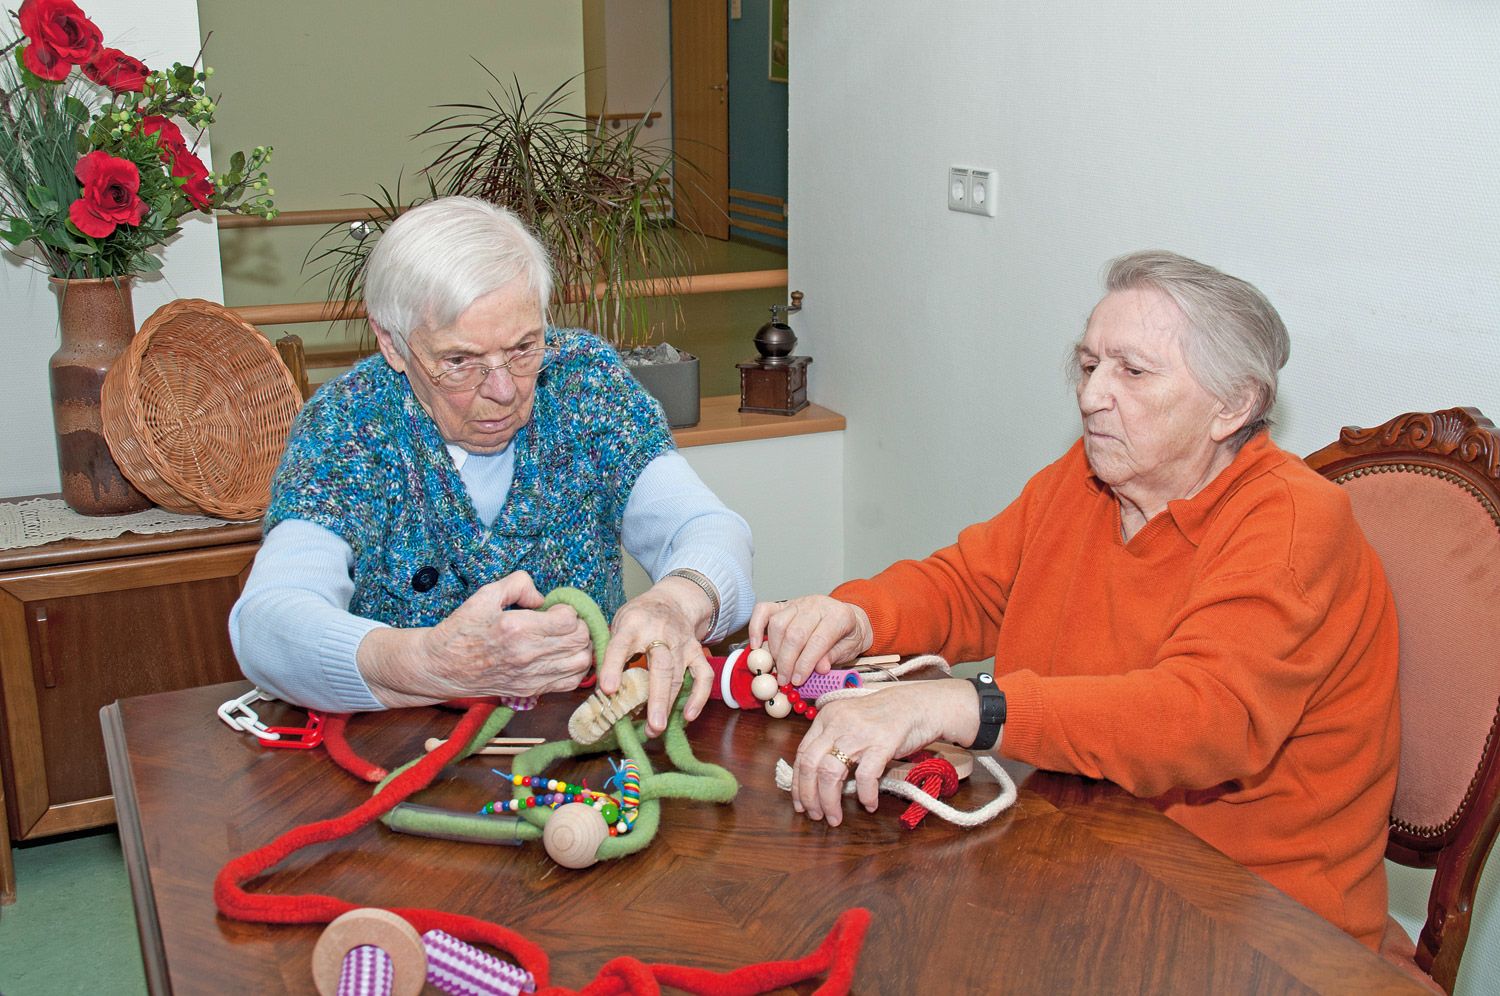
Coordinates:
(97,323)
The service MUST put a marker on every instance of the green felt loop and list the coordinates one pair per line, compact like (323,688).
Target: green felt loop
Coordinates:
(694,779)
(588,610)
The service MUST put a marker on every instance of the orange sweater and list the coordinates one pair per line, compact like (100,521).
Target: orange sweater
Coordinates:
(1235,662)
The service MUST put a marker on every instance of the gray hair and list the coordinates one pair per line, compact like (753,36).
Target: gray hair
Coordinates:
(1236,340)
(437,259)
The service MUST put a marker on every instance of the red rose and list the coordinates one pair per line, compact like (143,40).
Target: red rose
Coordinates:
(120,72)
(197,188)
(60,35)
(109,198)
(168,135)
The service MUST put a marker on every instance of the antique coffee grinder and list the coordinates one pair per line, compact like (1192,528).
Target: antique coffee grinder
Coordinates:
(775,384)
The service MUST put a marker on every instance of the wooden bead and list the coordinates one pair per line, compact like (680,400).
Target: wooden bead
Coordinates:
(763,687)
(386,931)
(759,661)
(573,835)
(779,707)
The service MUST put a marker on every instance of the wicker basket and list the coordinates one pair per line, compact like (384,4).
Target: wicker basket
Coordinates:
(197,410)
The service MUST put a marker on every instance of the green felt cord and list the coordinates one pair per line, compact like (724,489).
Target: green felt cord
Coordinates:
(588,611)
(694,779)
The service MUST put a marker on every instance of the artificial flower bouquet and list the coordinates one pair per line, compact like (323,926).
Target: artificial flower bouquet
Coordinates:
(95,171)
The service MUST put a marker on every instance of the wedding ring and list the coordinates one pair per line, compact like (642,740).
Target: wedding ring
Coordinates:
(843,758)
(656,643)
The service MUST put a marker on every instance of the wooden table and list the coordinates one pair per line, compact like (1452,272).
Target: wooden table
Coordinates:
(1078,888)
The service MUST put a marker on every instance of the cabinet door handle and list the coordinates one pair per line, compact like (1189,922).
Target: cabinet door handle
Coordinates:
(44,645)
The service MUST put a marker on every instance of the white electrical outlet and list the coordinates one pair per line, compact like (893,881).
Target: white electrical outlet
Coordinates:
(971,190)
(958,189)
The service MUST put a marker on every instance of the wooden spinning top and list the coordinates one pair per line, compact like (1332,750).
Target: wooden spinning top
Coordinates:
(573,835)
(598,714)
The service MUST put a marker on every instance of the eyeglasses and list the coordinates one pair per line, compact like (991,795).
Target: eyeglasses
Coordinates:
(468,376)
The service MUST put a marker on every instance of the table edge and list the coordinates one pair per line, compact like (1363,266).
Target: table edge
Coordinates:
(132,844)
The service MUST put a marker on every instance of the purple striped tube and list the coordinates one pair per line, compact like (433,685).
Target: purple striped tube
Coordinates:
(821,684)
(367,971)
(463,970)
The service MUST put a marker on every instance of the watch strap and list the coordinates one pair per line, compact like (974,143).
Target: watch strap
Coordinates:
(991,712)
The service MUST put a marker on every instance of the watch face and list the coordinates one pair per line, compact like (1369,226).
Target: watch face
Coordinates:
(987,679)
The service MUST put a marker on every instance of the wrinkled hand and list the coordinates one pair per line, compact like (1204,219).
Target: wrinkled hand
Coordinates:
(871,731)
(662,624)
(482,649)
(811,633)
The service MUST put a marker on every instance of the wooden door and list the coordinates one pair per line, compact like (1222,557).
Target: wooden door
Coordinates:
(700,115)
(75,638)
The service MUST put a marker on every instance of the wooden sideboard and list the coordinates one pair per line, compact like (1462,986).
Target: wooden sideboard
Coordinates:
(86,622)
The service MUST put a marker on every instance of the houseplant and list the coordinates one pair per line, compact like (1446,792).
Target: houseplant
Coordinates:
(95,175)
(592,195)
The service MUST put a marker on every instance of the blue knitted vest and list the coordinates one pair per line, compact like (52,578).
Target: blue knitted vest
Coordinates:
(367,463)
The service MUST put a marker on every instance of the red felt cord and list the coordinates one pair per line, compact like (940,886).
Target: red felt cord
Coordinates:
(835,957)
(934,775)
(337,744)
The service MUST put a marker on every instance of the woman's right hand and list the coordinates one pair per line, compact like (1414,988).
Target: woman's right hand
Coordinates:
(481,649)
(811,633)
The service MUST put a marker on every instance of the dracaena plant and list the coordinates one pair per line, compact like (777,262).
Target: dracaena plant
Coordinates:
(95,169)
(593,196)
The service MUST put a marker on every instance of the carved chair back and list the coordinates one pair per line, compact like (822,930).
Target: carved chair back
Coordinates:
(1426,491)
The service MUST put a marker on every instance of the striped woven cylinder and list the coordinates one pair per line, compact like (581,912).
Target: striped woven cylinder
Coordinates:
(463,970)
(821,684)
(367,971)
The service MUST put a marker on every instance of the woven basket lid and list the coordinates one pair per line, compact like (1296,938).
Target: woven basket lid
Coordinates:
(196,411)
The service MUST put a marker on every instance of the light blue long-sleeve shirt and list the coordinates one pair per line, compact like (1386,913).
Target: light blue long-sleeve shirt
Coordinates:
(295,638)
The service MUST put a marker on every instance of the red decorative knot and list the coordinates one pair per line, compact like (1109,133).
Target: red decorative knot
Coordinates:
(934,775)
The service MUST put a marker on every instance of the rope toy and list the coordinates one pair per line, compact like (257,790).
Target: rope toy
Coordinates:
(835,958)
(923,798)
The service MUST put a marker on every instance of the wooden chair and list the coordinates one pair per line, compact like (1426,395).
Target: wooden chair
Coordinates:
(295,358)
(1426,490)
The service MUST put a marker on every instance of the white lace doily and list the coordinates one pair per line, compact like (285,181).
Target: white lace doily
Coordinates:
(43,520)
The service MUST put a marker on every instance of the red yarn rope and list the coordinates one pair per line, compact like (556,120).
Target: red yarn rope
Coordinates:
(836,956)
(934,775)
(337,744)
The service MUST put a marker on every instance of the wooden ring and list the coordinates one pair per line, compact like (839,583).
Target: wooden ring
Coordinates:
(382,928)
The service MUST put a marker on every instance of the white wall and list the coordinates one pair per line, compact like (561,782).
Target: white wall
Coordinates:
(158,32)
(1339,156)
(791,491)
(628,57)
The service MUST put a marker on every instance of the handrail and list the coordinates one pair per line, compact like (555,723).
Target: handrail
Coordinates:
(336,216)
(705,283)
(615,119)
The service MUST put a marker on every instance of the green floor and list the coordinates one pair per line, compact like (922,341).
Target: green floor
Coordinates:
(71,929)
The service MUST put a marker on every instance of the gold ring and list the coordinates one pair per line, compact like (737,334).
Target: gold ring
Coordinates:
(843,758)
(656,643)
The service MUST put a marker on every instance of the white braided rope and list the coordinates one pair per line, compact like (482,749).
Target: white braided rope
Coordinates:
(879,681)
(906,790)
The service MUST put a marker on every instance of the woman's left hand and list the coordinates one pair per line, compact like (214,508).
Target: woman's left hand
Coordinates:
(661,623)
(871,731)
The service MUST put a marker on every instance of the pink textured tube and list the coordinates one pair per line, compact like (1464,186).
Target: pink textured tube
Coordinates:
(821,684)
(367,971)
(463,970)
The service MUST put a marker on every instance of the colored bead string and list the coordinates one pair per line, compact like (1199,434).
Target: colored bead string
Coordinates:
(619,814)
(627,778)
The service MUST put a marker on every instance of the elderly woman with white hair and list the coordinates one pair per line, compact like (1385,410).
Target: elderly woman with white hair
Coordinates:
(1176,605)
(479,460)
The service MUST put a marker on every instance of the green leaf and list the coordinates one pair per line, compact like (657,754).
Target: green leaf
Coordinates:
(42,199)
(76,109)
(18,232)
(237,163)
(147,263)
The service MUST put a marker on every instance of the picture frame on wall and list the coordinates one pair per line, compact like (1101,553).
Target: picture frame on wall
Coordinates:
(778,41)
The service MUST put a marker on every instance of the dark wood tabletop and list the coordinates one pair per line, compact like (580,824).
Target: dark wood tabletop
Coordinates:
(1077,888)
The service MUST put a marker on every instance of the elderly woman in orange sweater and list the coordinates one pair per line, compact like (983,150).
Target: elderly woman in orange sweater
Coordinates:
(1176,605)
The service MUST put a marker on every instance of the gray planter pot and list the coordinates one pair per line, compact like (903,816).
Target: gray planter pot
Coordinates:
(675,385)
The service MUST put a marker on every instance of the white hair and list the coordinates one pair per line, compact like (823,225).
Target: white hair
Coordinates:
(1236,342)
(437,259)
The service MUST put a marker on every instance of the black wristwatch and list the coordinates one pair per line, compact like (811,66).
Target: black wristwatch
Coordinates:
(991,712)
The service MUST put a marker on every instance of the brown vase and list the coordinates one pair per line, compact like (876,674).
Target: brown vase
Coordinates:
(97,325)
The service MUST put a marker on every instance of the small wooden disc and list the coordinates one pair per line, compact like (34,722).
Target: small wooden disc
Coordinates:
(386,931)
(961,759)
(573,834)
